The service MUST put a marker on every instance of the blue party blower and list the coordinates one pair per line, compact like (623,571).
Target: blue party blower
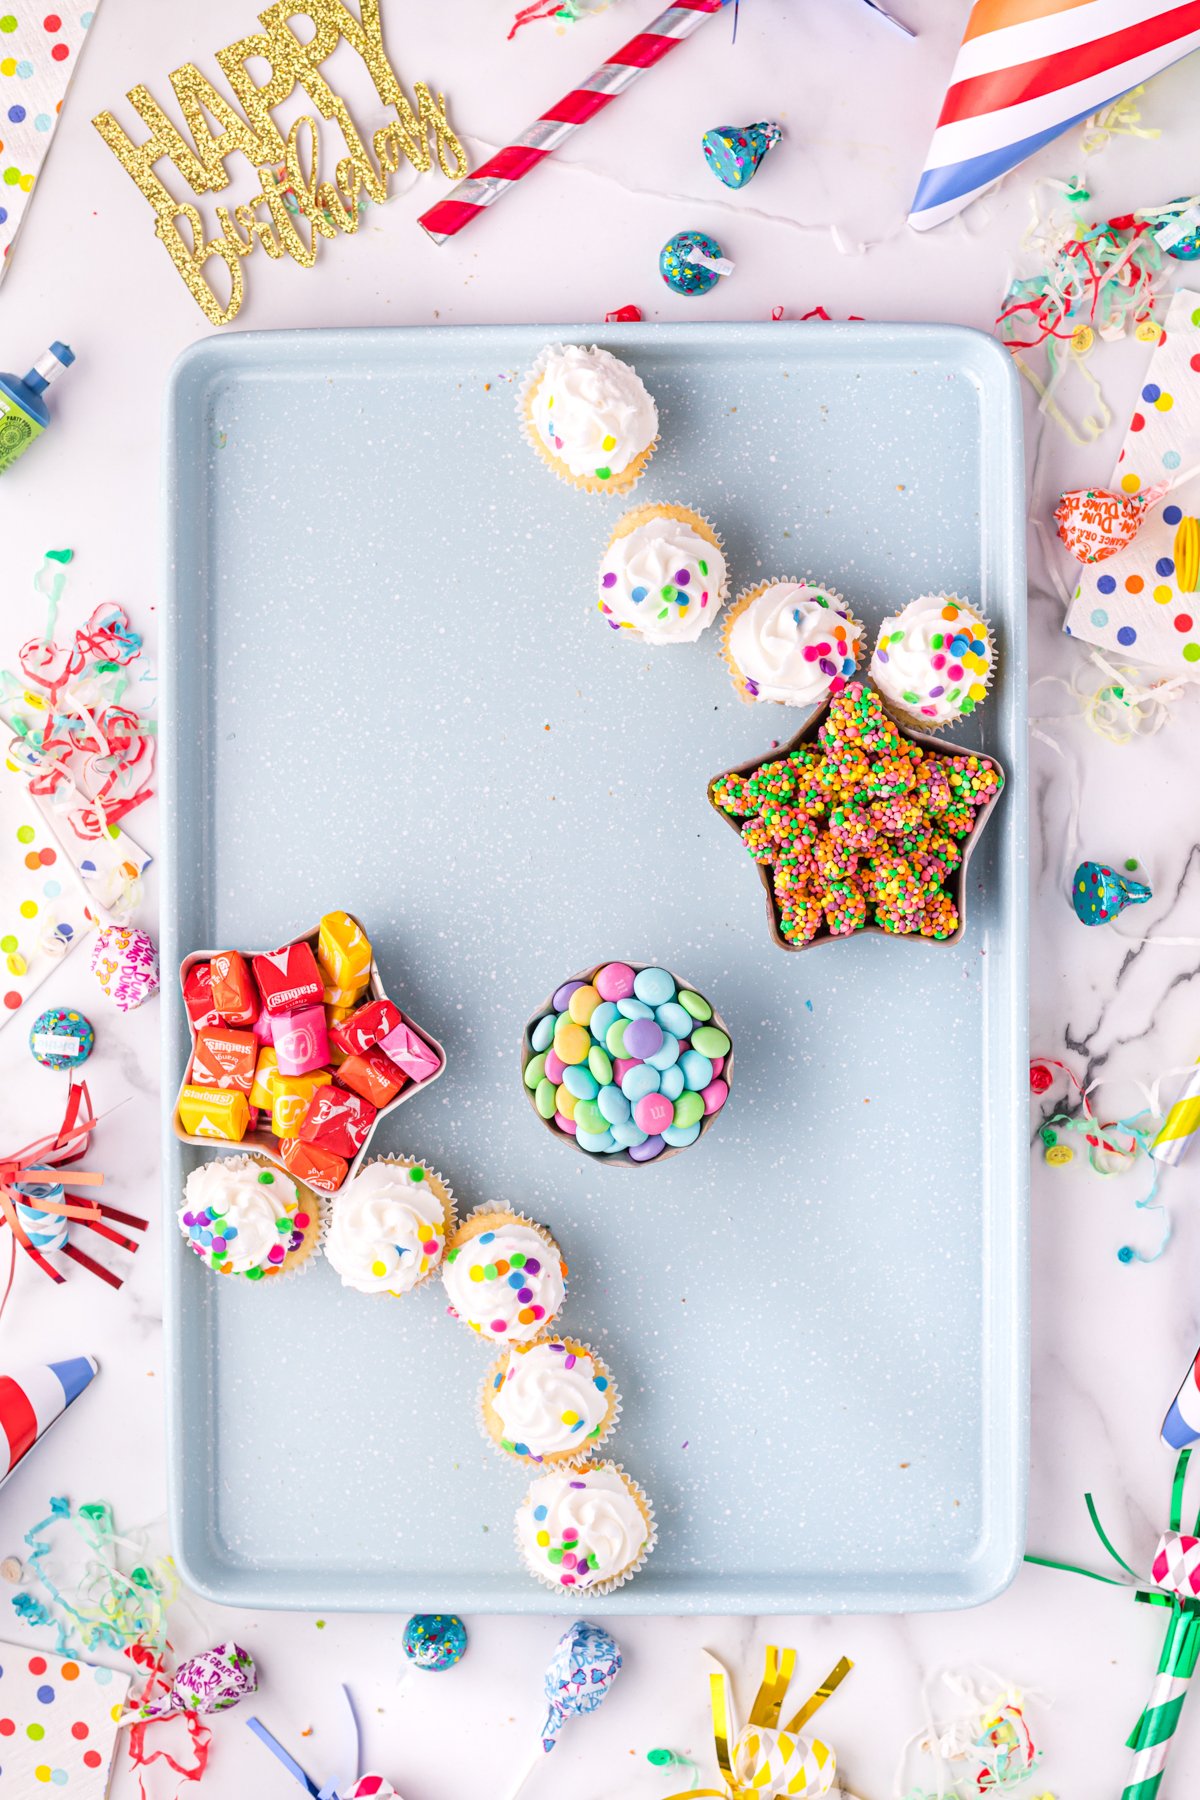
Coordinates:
(24,414)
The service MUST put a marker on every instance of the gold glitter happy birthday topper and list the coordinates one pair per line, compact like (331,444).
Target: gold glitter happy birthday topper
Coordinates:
(287,166)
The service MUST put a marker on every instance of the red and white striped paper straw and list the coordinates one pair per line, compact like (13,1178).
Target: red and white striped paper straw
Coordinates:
(486,184)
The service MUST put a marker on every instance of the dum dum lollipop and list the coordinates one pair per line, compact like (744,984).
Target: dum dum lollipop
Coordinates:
(581,1672)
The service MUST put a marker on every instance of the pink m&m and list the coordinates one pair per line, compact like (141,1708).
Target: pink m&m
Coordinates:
(715,1095)
(555,1067)
(653,1113)
(614,981)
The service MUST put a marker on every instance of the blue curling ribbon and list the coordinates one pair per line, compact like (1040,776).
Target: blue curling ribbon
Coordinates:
(331,1790)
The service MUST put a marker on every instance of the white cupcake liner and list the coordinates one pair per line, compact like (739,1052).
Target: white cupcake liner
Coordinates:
(899,711)
(646,510)
(404,1162)
(519,1218)
(563,1459)
(583,1595)
(288,1269)
(622,484)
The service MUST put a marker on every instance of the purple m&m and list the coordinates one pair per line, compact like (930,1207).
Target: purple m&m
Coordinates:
(629,1068)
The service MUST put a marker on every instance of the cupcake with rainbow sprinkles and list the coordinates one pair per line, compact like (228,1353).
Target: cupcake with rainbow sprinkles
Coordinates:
(504,1276)
(933,661)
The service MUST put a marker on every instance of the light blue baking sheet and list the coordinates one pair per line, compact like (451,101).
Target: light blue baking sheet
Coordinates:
(389,689)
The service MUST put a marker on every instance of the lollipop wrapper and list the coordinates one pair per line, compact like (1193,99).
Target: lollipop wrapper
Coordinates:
(1095,524)
(582,1670)
(125,963)
(209,1683)
(1027,70)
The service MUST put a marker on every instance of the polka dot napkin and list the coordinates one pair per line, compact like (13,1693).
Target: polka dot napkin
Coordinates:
(39,48)
(1131,604)
(58,1725)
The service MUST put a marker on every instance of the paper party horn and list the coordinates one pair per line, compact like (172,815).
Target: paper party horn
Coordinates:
(1026,71)
(34,1399)
(1180,1125)
(1181,1427)
(767,1759)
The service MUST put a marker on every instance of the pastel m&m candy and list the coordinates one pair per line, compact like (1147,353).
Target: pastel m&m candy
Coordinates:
(626,1061)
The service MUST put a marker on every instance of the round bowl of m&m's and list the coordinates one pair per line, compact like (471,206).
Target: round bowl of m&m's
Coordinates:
(627,1063)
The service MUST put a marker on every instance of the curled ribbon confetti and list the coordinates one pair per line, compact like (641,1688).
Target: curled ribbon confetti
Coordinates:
(765,1760)
(1113,1146)
(37,1209)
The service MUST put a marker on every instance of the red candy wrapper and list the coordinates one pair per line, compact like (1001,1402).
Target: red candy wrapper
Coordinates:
(373,1075)
(224,1059)
(1095,524)
(233,992)
(197,997)
(338,1120)
(366,1027)
(289,979)
(313,1165)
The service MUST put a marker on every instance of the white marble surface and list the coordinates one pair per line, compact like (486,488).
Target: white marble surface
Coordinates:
(1110,1342)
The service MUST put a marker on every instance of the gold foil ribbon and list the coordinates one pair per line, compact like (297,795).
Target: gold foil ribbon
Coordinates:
(779,1667)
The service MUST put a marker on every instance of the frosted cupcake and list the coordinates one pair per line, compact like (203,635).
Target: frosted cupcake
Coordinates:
(242,1218)
(504,1276)
(552,1401)
(589,1529)
(588,416)
(663,575)
(791,642)
(933,661)
(389,1227)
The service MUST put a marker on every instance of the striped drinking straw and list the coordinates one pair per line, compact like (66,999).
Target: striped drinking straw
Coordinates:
(485,185)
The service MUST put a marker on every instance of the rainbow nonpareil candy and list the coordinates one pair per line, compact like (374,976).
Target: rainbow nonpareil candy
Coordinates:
(1026,71)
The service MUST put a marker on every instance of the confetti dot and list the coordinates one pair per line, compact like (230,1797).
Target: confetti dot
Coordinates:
(33,860)
(41,1773)
(1131,483)
(1107,584)
(52,890)
(1151,391)
(1164,566)
(11,177)
(45,1693)
(1183,621)
(52,22)
(29,909)
(12,1001)
(24,70)
(92,1758)
(70,1672)
(8,22)
(1195,363)
(1171,459)
(60,52)
(1127,635)
(1099,617)
(35,1733)
(37,1665)
(8,943)
(1134,584)
(1165,402)
(8,66)
(25,834)
(7,1727)
(43,122)
(1163,594)
(48,857)
(1138,422)
(16,114)
(1172,514)
(85,19)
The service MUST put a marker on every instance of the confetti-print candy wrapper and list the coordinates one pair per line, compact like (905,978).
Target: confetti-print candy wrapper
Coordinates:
(624,483)
(125,963)
(549,1579)
(590,1447)
(39,51)
(1132,603)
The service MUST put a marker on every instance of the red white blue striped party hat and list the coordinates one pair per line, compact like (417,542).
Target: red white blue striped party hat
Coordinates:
(32,1400)
(1029,69)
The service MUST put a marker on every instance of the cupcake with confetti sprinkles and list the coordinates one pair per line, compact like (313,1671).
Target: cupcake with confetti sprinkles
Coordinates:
(663,578)
(791,642)
(505,1277)
(588,416)
(241,1217)
(933,661)
(585,1530)
(389,1226)
(552,1402)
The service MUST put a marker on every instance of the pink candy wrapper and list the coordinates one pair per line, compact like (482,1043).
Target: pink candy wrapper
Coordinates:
(125,963)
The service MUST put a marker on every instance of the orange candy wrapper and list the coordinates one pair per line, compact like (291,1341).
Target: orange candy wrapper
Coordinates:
(313,1165)
(373,1075)
(234,994)
(224,1059)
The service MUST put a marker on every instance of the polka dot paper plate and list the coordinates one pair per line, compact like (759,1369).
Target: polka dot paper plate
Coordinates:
(58,1725)
(1132,602)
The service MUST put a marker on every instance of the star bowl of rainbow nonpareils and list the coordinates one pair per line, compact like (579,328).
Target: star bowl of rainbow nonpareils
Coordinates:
(860,825)
(627,1062)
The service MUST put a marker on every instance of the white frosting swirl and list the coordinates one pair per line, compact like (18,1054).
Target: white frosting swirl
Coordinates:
(582,1527)
(388,1229)
(934,658)
(591,410)
(506,1283)
(795,643)
(549,1398)
(663,581)
(250,1201)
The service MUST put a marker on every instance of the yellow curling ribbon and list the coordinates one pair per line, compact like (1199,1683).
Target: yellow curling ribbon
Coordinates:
(764,1760)
(1187,555)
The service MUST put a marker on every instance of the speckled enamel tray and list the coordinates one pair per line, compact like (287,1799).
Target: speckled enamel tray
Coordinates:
(389,689)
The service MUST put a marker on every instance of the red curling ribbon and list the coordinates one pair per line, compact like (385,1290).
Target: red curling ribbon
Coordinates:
(623,315)
(40,1162)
